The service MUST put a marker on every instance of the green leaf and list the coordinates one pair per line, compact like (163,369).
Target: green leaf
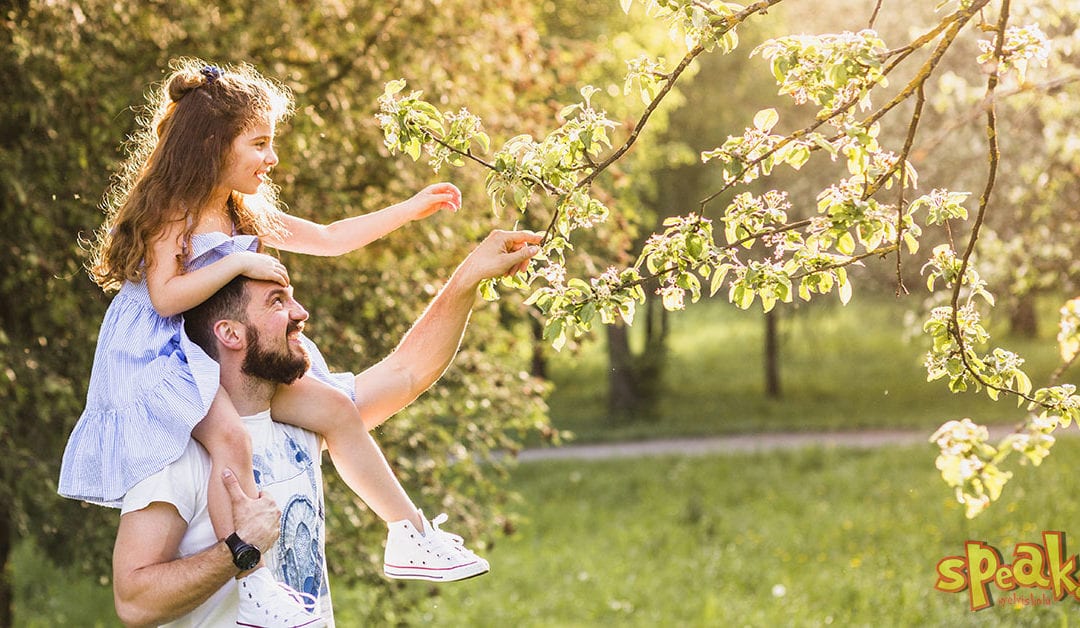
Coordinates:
(846,243)
(797,156)
(521,197)
(587,312)
(844,288)
(718,277)
(766,119)
(695,246)
(912,242)
(560,341)
(483,140)
(535,297)
(393,87)
(488,291)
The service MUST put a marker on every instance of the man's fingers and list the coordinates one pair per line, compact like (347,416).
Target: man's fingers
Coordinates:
(522,237)
(232,485)
(520,257)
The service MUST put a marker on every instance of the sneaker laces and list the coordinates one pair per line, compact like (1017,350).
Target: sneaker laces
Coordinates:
(455,542)
(449,536)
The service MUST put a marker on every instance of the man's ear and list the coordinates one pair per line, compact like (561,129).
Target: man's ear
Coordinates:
(230,334)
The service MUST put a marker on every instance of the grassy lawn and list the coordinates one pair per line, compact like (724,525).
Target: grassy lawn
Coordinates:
(842,367)
(804,538)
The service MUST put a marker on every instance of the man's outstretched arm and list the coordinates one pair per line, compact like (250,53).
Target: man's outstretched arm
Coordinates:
(430,345)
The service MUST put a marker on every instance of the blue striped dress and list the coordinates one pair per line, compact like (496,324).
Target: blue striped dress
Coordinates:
(149,386)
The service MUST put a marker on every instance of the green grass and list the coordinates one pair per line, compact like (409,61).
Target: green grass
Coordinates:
(46,596)
(801,538)
(841,368)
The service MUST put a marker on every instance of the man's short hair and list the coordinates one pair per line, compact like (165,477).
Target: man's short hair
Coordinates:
(228,303)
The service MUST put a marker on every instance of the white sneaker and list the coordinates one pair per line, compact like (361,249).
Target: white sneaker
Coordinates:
(267,603)
(430,554)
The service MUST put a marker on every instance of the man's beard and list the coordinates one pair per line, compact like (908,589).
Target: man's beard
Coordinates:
(281,367)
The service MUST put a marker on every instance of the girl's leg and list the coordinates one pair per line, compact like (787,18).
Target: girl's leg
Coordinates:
(225,438)
(320,408)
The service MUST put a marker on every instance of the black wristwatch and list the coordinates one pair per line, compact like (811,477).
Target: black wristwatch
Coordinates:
(244,555)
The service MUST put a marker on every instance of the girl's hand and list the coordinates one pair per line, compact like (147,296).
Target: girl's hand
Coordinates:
(263,267)
(433,198)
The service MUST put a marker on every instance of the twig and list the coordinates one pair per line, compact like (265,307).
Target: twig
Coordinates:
(916,116)
(873,16)
(984,202)
(551,189)
(927,68)
(669,83)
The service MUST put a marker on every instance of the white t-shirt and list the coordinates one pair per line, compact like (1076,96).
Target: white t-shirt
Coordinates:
(287,467)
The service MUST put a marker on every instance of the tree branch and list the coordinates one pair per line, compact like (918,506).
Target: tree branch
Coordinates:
(961,18)
(984,202)
(916,116)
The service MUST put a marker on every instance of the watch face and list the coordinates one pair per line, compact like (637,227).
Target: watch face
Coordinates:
(247,558)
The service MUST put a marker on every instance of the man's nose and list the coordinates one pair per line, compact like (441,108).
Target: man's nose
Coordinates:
(297,312)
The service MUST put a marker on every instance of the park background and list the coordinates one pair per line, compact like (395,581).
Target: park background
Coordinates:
(811,536)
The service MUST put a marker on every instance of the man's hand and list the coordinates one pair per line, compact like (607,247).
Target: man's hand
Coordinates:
(501,253)
(258,521)
(429,346)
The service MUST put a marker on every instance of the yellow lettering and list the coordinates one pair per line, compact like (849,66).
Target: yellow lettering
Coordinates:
(1003,578)
(952,574)
(983,562)
(1029,566)
(1062,582)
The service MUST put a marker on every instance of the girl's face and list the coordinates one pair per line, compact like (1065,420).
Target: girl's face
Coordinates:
(250,159)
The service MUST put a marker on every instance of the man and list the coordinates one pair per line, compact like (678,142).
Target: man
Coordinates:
(168,569)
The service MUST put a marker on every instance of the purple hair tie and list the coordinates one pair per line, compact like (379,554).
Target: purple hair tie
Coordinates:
(211,72)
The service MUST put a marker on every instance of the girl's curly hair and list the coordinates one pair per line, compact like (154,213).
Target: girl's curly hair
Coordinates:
(175,159)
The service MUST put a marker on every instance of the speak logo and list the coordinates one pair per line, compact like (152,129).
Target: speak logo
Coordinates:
(1037,566)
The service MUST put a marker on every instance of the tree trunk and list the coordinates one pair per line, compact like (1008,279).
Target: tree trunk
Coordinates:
(622,384)
(772,356)
(634,381)
(1023,321)
(538,367)
(6,612)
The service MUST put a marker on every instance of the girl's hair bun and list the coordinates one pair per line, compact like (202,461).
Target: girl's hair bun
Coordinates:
(184,83)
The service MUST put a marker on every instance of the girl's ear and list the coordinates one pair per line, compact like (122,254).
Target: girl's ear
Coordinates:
(231,334)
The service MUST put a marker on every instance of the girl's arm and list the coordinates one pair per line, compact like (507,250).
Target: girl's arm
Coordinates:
(353,233)
(173,292)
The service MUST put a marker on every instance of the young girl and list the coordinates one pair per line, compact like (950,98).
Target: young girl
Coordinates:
(196,187)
